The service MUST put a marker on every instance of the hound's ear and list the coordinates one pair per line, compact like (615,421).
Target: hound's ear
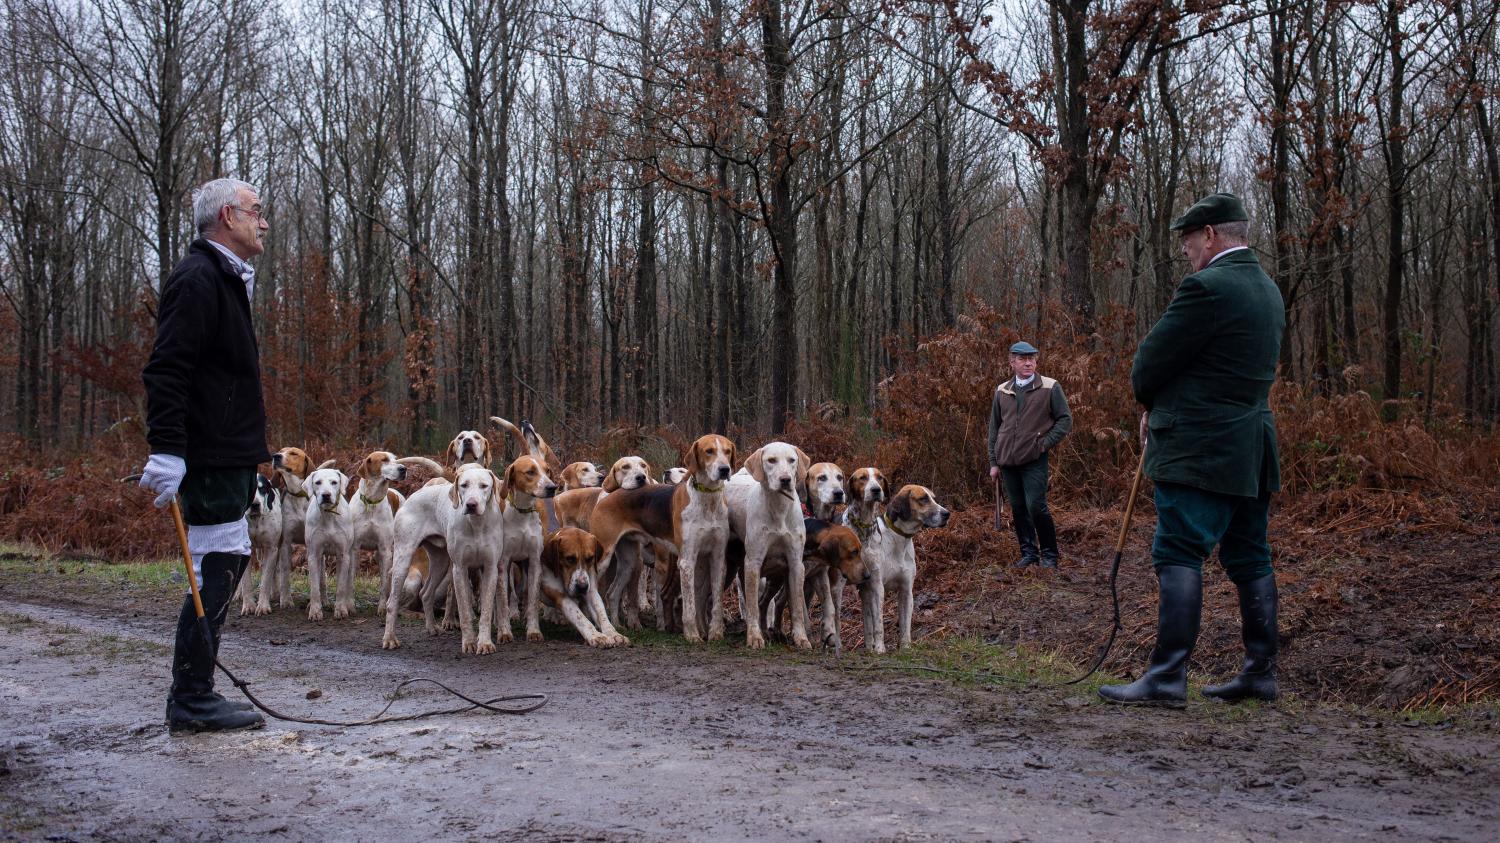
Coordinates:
(549,552)
(277,481)
(450,454)
(803,463)
(900,507)
(484,449)
(496,498)
(363,472)
(734,453)
(689,459)
(596,551)
(453,492)
(343,484)
(610,483)
(753,466)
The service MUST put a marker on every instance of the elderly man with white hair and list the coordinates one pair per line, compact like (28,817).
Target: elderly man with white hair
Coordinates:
(206,425)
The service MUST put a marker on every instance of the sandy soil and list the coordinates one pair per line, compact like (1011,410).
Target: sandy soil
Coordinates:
(670,742)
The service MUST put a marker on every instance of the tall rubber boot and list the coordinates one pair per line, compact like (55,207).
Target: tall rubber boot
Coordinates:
(1179,609)
(1026,538)
(1257,679)
(192,705)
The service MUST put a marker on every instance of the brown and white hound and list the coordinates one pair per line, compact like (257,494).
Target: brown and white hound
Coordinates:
(891,559)
(689,521)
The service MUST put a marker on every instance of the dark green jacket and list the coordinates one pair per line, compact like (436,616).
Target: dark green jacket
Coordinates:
(1205,372)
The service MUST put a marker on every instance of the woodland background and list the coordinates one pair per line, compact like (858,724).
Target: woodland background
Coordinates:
(633,222)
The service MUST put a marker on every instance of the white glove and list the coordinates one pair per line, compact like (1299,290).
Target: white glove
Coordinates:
(163,475)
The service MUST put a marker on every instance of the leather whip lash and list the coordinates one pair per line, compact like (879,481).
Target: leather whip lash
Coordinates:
(1114,570)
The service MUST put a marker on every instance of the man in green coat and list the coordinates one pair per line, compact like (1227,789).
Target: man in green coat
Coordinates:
(1204,373)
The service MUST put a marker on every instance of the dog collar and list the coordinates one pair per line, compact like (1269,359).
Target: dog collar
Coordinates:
(512,501)
(707,490)
(295,494)
(897,530)
(369,501)
(332,507)
(863,528)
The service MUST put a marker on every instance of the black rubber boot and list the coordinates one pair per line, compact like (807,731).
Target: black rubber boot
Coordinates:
(1046,533)
(1178,612)
(1026,539)
(192,705)
(1257,679)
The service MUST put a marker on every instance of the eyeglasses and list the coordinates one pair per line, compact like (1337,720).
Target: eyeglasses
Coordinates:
(250,212)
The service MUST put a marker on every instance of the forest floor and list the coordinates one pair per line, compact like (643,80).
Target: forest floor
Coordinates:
(954,739)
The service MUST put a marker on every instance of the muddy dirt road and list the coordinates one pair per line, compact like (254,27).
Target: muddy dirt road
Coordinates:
(667,742)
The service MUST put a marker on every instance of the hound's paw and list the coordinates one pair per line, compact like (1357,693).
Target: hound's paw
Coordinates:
(534,635)
(802,643)
(485,648)
(467,647)
(506,636)
(879,648)
(755,641)
(389,642)
(263,608)
(314,612)
(341,612)
(601,641)
(447,625)
(692,637)
(245,609)
(434,629)
(619,641)
(716,633)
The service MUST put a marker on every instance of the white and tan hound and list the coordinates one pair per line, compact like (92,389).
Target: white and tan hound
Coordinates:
(373,508)
(674,475)
(826,490)
(290,467)
(689,522)
(892,560)
(765,512)
(459,525)
(526,485)
(581,475)
(330,532)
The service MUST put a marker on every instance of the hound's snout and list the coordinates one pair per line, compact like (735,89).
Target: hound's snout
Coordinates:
(786,482)
(471,508)
(640,480)
(838,496)
(549,490)
(723,472)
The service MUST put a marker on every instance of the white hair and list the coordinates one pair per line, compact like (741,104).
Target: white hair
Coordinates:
(1237,231)
(210,197)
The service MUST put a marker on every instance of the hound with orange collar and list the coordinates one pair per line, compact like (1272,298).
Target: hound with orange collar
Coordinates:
(689,521)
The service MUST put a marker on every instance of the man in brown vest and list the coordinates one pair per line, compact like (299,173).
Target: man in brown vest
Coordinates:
(1028,417)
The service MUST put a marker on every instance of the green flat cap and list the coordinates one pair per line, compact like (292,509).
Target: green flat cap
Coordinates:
(1213,209)
(1023,347)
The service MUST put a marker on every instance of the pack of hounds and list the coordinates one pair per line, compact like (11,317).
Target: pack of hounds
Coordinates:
(592,548)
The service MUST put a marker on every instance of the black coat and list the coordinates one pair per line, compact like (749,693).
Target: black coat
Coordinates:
(203,396)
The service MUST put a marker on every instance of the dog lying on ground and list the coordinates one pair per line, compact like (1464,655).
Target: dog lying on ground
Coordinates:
(570,579)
